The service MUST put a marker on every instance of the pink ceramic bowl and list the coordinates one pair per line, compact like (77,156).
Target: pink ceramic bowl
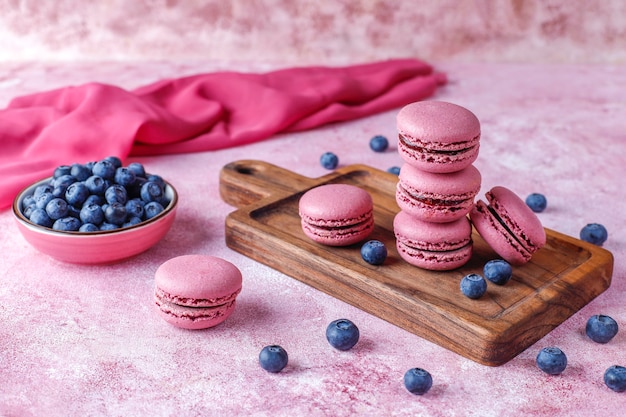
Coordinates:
(96,247)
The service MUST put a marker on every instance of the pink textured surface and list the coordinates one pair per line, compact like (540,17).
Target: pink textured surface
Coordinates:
(85,340)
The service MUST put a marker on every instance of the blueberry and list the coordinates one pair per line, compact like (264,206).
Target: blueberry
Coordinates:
(88,227)
(108,226)
(537,202)
(551,360)
(379,143)
(59,192)
(76,194)
(42,189)
(124,176)
(498,271)
(29,200)
(115,213)
(157,179)
(418,381)
(116,193)
(135,207)
(152,191)
(96,184)
(394,170)
(329,160)
(342,334)
(67,224)
(27,211)
(62,170)
(91,213)
(273,358)
(63,181)
(40,217)
(95,199)
(80,172)
(42,200)
(104,169)
(615,378)
(73,211)
(133,220)
(601,328)
(152,209)
(473,286)
(137,169)
(594,233)
(57,208)
(117,162)
(374,252)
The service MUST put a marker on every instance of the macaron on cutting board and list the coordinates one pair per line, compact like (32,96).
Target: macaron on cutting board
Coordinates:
(561,278)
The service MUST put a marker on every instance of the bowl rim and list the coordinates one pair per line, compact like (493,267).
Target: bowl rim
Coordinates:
(17,212)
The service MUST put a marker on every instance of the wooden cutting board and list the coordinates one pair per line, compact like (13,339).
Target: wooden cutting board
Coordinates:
(561,278)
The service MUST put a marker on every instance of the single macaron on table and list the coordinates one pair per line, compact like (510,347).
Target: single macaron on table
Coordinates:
(267,225)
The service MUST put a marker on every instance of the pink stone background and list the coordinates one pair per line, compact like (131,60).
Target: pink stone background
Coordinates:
(547,80)
(300,32)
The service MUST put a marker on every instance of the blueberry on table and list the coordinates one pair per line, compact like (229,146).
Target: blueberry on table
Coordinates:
(374,252)
(552,360)
(594,233)
(498,271)
(394,170)
(329,160)
(418,381)
(615,378)
(273,358)
(342,334)
(379,143)
(473,286)
(601,328)
(537,202)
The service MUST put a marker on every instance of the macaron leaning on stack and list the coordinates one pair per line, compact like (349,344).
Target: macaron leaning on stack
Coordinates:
(438,142)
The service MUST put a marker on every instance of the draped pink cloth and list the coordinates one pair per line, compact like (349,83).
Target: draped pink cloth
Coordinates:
(191,114)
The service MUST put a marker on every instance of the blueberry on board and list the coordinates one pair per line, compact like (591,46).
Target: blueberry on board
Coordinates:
(115,213)
(537,202)
(104,169)
(76,194)
(379,143)
(394,170)
(329,160)
(57,208)
(473,286)
(418,381)
(152,209)
(39,217)
(96,184)
(137,168)
(80,172)
(67,224)
(116,194)
(601,328)
(374,252)
(342,334)
(151,191)
(498,271)
(124,176)
(615,378)
(273,358)
(91,213)
(594,233)
(551,360)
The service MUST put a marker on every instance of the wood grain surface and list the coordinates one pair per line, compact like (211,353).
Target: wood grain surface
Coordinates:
(561,278)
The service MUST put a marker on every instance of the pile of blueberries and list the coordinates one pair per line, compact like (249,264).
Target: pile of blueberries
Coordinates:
(96,196)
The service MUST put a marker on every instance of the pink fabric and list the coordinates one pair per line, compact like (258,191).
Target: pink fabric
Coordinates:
(197,113)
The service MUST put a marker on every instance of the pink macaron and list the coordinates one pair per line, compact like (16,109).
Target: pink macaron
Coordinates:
(433,246)
(437,136)
(437,197)
(196,291)
(336,214)
(508,225)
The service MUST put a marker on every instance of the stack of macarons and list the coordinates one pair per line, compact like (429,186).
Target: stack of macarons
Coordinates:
(438,142)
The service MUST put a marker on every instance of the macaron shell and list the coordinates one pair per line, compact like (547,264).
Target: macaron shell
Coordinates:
(336,214)
(196,291)
(433,246)
(437,197)
(438,136)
